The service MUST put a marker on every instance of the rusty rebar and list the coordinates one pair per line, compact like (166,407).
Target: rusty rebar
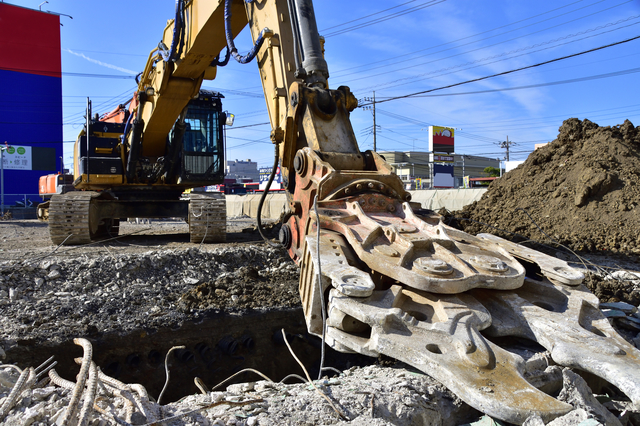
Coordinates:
(15,391)
(59,381)
(82,379)
(166,369)
(89,395)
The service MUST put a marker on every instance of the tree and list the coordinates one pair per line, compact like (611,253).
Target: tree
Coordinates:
(492,171)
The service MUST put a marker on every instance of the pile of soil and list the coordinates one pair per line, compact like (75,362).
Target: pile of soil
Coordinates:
(582,190)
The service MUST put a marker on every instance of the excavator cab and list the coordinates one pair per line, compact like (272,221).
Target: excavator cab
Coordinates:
(203,141)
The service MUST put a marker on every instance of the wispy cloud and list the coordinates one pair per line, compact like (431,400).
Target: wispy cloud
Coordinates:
(103,64)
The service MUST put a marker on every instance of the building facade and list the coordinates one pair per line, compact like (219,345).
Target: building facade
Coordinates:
(416,168)
(30,99)
(242,171)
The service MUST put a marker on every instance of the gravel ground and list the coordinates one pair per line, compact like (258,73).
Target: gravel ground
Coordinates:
(154,278)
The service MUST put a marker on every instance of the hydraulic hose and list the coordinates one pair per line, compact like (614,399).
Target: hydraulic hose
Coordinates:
(295,29)
(183,26)
(127,126)
(263,197)
(178,30)
(224,62)
(229,35)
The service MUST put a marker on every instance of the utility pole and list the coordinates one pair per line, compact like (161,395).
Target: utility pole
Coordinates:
(506,145)
(374,121)
(373,108)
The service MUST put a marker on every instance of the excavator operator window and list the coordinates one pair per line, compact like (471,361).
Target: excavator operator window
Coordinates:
(201,134)
(202,143)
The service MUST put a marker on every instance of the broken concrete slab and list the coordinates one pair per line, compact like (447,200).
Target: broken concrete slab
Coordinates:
(627,308)
(613,313)
(576,392)
(629,323)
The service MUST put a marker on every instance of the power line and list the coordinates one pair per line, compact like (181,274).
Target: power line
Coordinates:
(367,16)
(67,74)
(112,102)
(369,68)
(426,124)
(412,79)
(385,18)
(508,72)
(531,86)
(554,116)
(546,125)
(248,125)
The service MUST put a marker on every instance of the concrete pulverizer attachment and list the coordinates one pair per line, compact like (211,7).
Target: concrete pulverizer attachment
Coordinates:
(440,335)
(436,331)
(564,318)
(337,272)
(390,239)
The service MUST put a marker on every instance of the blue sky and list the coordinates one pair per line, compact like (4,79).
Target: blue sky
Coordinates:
(396,48)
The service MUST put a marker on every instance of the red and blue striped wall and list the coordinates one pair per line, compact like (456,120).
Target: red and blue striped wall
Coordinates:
(30,95)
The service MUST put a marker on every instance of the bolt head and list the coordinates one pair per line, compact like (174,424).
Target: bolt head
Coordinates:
(434,266)
(488,263)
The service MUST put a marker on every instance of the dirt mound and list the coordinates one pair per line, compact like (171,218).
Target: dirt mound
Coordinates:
(582,190)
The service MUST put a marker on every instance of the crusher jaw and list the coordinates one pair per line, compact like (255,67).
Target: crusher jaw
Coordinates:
(417,290)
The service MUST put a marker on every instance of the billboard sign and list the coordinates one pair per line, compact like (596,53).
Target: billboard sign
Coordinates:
(441,139)
(17,158)
(265,172)
(439,158)
(443,176)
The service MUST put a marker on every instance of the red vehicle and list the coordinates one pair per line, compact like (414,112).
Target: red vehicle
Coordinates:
(56,183)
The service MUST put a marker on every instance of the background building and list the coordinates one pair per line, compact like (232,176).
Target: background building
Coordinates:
(242,171)
(30,99)
(416,168)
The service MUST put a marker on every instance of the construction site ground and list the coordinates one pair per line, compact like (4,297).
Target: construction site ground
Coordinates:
(235,306)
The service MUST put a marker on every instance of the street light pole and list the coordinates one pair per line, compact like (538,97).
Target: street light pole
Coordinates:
(2,150)
(463,175)
(2,176)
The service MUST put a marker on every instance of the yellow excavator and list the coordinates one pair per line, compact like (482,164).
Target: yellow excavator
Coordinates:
(378,274)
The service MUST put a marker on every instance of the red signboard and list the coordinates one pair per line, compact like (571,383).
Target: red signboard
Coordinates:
(441,139)
(30,99)
(30,41)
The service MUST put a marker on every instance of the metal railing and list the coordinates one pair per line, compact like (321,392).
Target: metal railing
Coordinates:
(25,201)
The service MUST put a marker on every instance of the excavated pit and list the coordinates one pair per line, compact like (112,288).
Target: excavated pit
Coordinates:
(136,297)
(215,348)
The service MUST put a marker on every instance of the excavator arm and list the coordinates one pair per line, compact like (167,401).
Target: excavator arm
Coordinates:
(378,275)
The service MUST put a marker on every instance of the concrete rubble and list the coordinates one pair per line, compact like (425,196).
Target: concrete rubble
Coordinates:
(59,298)
(48,299)
(371,396)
